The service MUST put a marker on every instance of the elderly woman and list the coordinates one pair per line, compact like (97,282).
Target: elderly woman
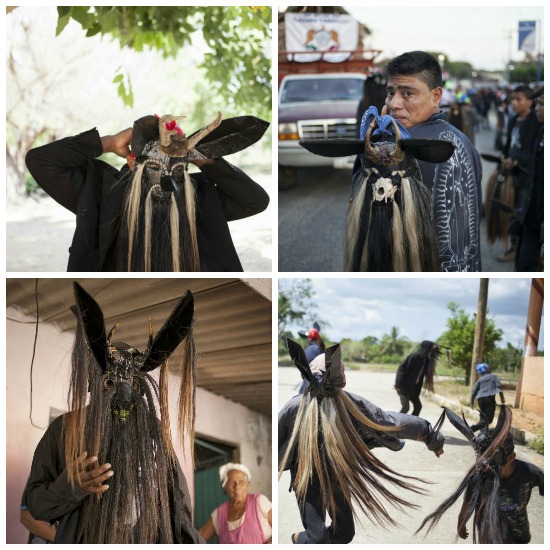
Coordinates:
(245,518)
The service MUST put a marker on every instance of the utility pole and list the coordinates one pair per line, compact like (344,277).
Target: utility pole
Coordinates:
(532,329)
(479,336)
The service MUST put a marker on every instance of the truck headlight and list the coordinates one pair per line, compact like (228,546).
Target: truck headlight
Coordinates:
(288,130)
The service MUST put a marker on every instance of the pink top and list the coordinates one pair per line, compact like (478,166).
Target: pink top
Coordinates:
(250,532)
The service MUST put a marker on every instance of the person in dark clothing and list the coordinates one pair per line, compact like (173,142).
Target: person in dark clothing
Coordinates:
(339,471)
(496,489)
(484,391)
(112,435)
(40,532)
(417,367)
(517,155)
(315,348)
(414,93)
(532,217)
(151,215)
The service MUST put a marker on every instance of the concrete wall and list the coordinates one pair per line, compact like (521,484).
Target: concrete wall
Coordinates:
(217,418)
(532,385)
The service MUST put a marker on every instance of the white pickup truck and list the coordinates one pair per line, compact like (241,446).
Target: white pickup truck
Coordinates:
(315,106)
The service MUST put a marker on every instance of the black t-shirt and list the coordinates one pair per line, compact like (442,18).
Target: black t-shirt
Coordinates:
(515,493)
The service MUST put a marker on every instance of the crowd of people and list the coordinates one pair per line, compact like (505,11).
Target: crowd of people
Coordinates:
(518,129)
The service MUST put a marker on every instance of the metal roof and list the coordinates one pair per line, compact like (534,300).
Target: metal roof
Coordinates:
(232,331)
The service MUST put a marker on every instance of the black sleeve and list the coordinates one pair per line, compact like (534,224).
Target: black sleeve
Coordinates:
(537,478)
(182,520)
(60,167)
(286,419)
(49,493)
(241,197)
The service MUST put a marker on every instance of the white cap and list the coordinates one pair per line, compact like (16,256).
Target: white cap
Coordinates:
(226,468)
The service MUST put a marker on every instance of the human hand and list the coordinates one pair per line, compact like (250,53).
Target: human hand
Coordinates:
(119,143)
(508,164)
(463,532)
(89,477)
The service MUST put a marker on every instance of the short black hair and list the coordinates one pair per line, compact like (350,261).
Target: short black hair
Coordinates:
(420,64)
(523,89)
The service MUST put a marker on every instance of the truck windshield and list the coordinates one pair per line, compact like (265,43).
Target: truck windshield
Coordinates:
(322,89)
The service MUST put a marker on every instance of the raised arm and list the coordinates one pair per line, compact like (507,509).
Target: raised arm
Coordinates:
(241,196)
(61,167)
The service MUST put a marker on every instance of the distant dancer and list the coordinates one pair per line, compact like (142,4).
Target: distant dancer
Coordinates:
(484,391)
(418,367)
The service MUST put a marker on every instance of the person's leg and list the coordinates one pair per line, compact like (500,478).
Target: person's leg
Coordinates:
(404,403)
(417,405)
(484,407)
(528,258)
(313,516)
(342,529)
(490,406)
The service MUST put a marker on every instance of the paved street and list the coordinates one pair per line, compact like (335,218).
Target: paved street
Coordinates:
(312,216)
(445,473)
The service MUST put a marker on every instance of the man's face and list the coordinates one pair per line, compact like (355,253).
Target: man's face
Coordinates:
(520,103)
(410,101)
(539,108)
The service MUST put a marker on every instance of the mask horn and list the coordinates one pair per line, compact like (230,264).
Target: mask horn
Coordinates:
(90,317)
(172,333)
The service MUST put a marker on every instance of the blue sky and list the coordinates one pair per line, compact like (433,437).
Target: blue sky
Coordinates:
(357,308)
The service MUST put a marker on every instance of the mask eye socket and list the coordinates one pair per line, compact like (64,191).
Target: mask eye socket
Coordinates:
(108,383)
(154,166)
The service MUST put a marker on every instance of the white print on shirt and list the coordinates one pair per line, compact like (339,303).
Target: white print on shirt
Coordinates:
(455,207)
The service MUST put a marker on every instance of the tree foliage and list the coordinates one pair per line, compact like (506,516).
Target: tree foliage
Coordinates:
(459,336)
(237,37)
(297,304)
(526,72)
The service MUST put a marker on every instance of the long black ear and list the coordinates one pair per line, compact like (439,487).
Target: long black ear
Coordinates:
(333,147)
(460,424)
(145,129)
(172,333)
(428,150)
(298,357)
(333,362)
(90,317)
(231,136)
(502,416)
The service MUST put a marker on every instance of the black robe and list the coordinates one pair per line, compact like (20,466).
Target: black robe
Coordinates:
(410,374)
(50,497)
(69,172)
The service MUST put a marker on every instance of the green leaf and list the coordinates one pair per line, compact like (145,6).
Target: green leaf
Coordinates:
(62,23)
(118,78)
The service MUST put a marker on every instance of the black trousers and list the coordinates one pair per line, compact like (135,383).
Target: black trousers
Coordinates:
(528,256)
(415,399)
(313,516)
(487,406)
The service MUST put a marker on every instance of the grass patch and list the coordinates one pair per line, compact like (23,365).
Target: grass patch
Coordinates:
(538,444)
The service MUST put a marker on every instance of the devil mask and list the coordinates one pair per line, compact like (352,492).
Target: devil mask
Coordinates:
(158,228)
(390,225)
(493,448)
(114,404)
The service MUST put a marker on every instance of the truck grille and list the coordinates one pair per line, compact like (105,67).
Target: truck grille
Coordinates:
(323,129)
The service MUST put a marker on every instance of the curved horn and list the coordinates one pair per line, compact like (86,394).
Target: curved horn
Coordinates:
(110,337)
(369,150)
(192,142)
(150,341)
(165,134)
(395,157)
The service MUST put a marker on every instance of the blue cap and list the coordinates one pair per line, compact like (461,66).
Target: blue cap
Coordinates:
(482,368)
